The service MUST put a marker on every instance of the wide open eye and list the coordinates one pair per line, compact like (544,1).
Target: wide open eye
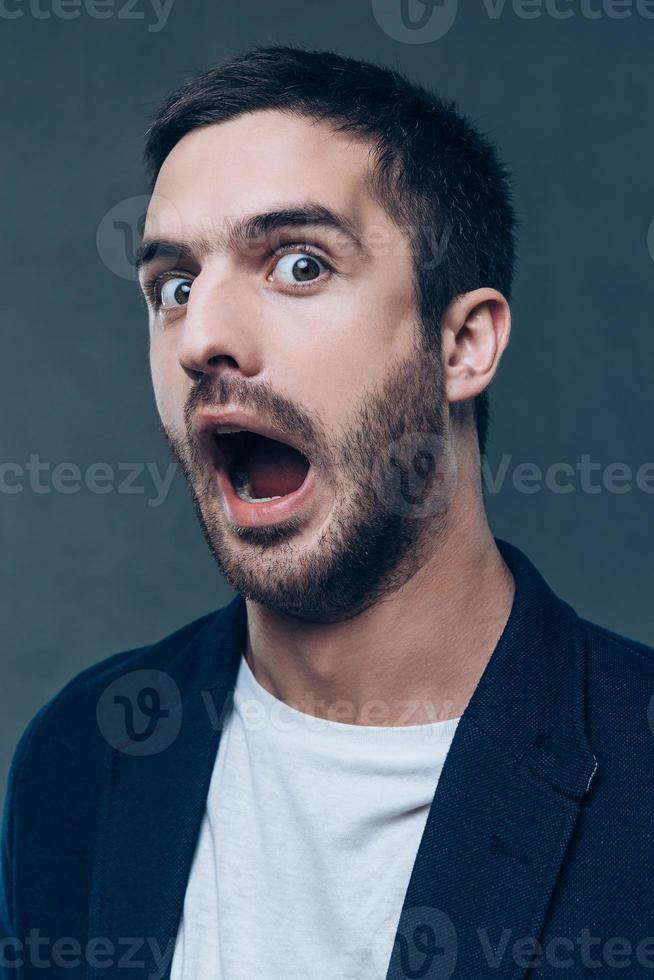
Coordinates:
(296,268)
(175,292)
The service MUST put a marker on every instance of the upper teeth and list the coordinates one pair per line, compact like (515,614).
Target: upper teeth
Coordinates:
(223,430)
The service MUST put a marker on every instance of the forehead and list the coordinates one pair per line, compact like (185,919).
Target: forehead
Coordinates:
(258,161)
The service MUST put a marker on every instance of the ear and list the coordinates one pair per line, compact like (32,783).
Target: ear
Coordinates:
(475,330)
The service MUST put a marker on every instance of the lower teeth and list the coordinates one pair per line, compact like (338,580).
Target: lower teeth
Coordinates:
(245,495)
(243,488)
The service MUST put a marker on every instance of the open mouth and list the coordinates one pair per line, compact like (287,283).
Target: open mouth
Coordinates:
(260,469)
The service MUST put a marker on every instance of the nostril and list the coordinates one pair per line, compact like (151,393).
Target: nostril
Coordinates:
(222,360)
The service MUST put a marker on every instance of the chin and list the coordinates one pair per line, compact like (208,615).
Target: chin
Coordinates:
(309,576)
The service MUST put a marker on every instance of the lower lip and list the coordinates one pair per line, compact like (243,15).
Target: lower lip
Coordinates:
(267,512)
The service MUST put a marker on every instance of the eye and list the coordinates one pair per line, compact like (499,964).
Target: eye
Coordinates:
(298,268)
(174,292)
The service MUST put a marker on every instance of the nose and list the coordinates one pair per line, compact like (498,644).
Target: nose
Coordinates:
(218,329)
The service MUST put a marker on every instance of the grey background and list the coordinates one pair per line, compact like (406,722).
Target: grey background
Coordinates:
(569,101)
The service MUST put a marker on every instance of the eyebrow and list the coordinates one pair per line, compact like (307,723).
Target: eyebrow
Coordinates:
(246,230)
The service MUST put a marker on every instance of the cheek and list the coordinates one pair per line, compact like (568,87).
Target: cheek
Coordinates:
(338,359)
(170,389)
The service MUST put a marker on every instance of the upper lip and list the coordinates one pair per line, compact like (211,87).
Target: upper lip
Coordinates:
(208,422)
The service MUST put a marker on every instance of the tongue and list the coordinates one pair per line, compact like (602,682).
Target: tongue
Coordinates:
(275,469)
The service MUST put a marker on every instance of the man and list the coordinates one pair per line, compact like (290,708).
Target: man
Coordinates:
(396,753)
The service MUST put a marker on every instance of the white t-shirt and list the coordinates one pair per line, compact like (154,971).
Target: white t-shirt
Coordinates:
(307,844)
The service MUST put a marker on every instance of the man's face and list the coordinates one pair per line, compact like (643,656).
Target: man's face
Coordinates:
(302,333)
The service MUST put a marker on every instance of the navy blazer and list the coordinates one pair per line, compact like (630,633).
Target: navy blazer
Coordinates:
(537,857)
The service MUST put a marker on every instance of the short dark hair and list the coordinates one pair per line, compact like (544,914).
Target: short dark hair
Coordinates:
(434,173)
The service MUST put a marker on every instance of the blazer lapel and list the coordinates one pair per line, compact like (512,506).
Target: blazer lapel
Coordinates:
(155,800)
(506,803)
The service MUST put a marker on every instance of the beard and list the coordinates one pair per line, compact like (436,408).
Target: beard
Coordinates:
(392,473)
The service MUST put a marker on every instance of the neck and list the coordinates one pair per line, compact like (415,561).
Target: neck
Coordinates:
(413,657)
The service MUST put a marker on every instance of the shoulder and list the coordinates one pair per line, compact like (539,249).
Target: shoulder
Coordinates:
(66,727)
(620,699)
(616,651)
